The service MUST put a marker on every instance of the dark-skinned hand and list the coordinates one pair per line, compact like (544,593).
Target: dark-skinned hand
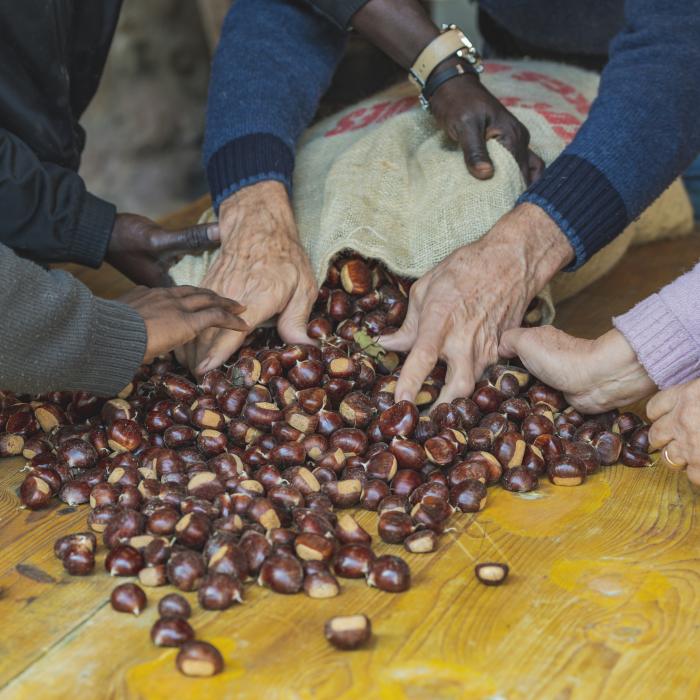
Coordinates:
(470,115)
(177,315)
(143,251)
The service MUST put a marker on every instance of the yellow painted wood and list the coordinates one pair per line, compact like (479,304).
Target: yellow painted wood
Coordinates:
(601,601)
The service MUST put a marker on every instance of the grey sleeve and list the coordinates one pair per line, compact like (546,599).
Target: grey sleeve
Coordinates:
(55,335)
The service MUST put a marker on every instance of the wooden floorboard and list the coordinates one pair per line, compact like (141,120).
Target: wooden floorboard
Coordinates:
(602,601)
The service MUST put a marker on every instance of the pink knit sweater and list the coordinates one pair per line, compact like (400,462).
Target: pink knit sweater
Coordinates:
(664,331)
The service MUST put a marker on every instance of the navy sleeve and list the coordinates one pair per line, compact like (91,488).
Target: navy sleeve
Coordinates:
(274,61)
(642,132)
(339,12)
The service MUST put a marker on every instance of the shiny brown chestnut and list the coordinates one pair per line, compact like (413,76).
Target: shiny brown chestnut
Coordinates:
(491,573)
(171,632)
(469,496)
(281,574)
(519,479)
(128,598)
(348,632)
(389,573)
(174,605)
(567,470)
(199,659)
(219,591)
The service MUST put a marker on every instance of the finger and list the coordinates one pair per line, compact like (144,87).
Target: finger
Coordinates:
(223,345)
(404,339)
(661,432)
(423,356)
(181,354)
(673,456)
(516,141)
(204,298)
(460,378)
(472,139)
(291,324)
(218,316)
(535,165)
(662,403)
(193,238)
(511,342)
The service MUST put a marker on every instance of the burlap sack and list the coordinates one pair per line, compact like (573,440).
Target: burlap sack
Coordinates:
(380,179)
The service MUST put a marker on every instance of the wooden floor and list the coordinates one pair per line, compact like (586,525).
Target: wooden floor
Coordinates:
(602,602)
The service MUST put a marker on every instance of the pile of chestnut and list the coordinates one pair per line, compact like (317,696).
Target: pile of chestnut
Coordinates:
(241,476)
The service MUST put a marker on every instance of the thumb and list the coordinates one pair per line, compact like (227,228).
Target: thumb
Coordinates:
(472,139)
(291,324)
(510,343)
(193,238)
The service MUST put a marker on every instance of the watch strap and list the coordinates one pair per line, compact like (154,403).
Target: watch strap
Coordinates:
(450,42)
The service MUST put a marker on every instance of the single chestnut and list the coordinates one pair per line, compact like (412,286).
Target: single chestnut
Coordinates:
(171,632)
(421,542)
(491,573)
(389,573)
(567,470)
(128,598)
(519,479)
(282,574)
(199,659)
(348,632)
(353,560)
(469,496)
(219,591)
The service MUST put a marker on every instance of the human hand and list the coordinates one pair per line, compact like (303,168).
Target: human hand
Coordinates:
(675,416)
(176,315)
(470,115)
(263,265)
(595,375)
(144,251)
(458,310)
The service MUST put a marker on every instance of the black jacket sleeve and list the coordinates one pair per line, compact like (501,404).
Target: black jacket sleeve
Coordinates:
(339,12)
(47,214)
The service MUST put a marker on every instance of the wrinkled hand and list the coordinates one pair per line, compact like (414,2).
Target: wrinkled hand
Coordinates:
(263,265)
(176,315)
(675,415)
(470,115)
(144,251)
(458,310)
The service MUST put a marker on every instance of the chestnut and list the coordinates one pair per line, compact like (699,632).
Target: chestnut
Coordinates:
(309,546)
(171,632)
(256,549)
(469,496)
(421,542)
(440,451)
(306,374)
(321,584)
(399,420)
(519,479)
(586,453)
(80,540)
(469,412)
(406,481)
(262,511)
(174,605)
(186,570)
(634,457)
(128,598)
(349,531)
(541,393)
(356,278)
(389,573)
(282,574)
(353,560)
(303,480)
(34,492)
(77,453)
(344,493)
(153,575)
(78,561)
(409,454)
(373,492)
(608,445)
(639,439)
(75,492)
(219,591)
(626,423)
(382,466)
(394,527)
(199,659)
(11,444)
(567,470)
(488,398)
(192,530)
(535,425)
(509,449)
(178,388)
(124,560)
(356,409)
(491,573)
(124,435)
(205,485)
(351,441)
(348,632)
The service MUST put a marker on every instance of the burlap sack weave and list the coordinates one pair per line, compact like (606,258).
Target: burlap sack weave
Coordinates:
(380,179)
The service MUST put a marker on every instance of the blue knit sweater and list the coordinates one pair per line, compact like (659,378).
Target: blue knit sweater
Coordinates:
(276,57)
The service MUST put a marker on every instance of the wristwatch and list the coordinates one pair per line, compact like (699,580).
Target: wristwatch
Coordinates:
(452,41)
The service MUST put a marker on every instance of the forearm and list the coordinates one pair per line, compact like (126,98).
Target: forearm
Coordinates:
(274,61)
(641,133)
(57,335)
(664,331)
(47,214)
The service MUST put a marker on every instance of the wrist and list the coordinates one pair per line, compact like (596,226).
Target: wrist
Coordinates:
(536,238)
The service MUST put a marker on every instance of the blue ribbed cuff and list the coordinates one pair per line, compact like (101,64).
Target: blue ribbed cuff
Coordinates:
(582,202)
(247,160)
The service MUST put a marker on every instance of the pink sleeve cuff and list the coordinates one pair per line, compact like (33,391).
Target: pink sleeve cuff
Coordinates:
(661,342)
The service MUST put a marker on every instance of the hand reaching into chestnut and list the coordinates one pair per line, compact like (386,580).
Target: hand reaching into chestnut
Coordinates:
(458,311)
(675,416)
(176,315)
(143,251)
(595,375)
(263,265)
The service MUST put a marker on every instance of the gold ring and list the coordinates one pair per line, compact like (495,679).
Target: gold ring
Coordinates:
(669,461)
